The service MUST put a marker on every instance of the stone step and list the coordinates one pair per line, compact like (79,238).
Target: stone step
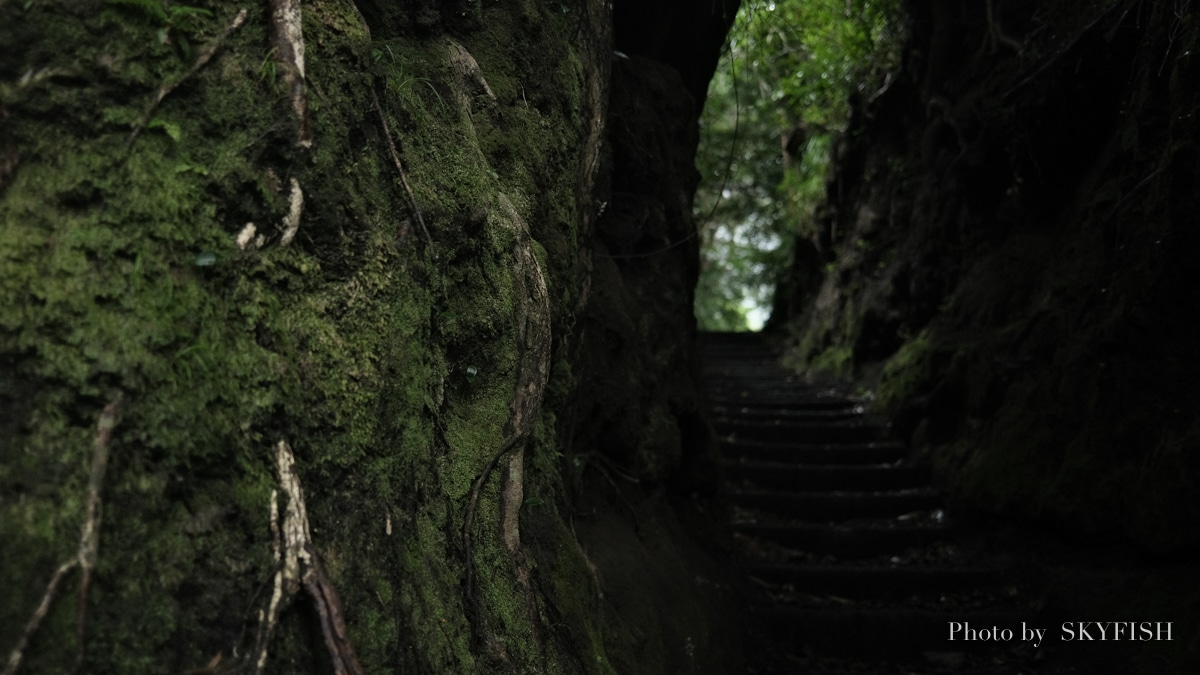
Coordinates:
(767,376)
(880,583)
(748,363)
(772,387)
(870,477)
(846,542)
(718,349)
(730,337)
(841,454)
(739,354)
(830,507)
(772,379)
(812,402)
(768,413)
(851,431)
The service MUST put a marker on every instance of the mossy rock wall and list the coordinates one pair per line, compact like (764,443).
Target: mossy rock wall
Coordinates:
(1009,236)
(392,347)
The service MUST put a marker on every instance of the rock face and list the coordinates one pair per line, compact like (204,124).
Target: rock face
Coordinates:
(409,243)
(1009,235)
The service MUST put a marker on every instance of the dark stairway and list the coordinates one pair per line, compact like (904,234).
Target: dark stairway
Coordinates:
(853,564)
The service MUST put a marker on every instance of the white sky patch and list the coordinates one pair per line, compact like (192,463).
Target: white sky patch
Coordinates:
(756,315)
(725,237)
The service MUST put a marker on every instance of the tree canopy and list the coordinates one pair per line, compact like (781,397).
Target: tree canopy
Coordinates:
(779,97)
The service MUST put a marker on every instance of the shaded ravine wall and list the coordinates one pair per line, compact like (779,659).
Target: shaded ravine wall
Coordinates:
(397,350)
(1007,252)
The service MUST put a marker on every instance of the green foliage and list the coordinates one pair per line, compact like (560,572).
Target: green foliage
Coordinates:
(785,82)
(266,69)
(173,130)
(173,23)
(173,16)
(907,372)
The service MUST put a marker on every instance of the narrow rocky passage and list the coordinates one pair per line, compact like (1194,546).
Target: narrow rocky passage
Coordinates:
(854,565)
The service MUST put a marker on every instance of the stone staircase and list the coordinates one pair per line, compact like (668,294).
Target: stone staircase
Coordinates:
(853,564)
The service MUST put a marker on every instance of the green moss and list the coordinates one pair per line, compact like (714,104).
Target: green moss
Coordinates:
(907,372)
(353,343)
(835,361)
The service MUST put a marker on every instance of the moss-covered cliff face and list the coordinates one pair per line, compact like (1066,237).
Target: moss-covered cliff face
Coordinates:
(1008,246)
(236,269)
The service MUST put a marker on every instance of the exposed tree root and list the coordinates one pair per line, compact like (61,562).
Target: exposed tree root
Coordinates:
(204,57)
(297,564)
(18,652)
(1051,60)
(289,54)
(996,36)
(533,346)
(473,505)
(387,134)
(89,543)
(291,222)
